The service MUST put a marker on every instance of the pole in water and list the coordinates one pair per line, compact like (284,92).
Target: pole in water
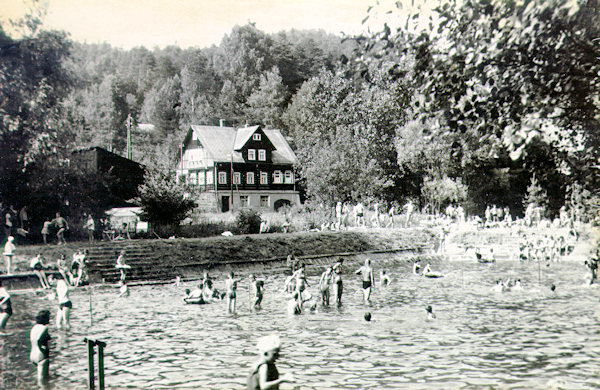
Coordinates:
(91,319)
(90,345)
(539,273)
(101,346)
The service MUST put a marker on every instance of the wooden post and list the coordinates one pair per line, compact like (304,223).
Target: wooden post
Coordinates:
(91,319)
(90,345)
(101,346)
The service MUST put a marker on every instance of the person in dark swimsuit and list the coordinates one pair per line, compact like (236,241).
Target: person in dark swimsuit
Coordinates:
(368,280)
(264,374)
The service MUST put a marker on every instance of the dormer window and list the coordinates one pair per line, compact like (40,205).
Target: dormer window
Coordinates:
(262,154)
(252,154)
(256,137)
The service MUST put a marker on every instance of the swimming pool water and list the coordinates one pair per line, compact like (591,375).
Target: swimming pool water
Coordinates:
(534,338)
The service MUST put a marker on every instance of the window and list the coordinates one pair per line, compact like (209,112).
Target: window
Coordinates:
(256,137)
(264,178)
(264,201)
(193,178)
(289,177)
(277,177)
(222,177)
(237,178)
(262,155)
(201,177)
(252,154)
(244,200)
(209,177)
(250,178)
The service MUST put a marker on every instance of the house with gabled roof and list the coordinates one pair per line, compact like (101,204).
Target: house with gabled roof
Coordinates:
(238,167)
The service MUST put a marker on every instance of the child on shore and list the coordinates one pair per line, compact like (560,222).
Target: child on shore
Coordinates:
(121,266)
(5,306)
(264,374)
(9,252)
(40,352)
(37,266)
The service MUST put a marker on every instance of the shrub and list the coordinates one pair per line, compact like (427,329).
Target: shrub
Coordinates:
(248,221)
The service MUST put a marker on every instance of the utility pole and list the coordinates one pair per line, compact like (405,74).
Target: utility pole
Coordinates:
(129,123)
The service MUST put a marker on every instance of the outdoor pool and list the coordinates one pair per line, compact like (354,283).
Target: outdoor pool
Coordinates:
(535,338)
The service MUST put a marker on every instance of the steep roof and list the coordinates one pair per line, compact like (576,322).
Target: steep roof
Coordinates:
(220,142)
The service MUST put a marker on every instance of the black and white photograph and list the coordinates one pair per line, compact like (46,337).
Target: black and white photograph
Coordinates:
(299,194)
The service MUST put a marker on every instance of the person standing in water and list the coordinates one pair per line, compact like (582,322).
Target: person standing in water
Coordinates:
(324,283)
(64,304)
(337,281)
(40,352)
(5,306)
(231,288)
(368,280)
(264,374)
(256,291)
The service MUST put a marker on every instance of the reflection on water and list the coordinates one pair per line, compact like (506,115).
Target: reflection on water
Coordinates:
(533,338)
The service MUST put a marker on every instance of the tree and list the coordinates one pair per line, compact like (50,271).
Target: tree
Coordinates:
(162,106)
(33,82)
(162,199)
(265,104)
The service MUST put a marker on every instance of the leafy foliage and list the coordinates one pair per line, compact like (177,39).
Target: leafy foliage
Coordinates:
(248,221)
(163,200)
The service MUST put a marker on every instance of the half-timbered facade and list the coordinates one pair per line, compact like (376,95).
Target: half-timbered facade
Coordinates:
(233,168)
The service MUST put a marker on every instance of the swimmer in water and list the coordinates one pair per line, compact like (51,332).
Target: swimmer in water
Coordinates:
(64,304)
(230,294)
(367,316)
(498,287)
(337,281)
(417,267)
(430,314)
(123,289)
(301,282)
(368,280)
(264,374)
(5,306)
(40,352)
(384,278)
(294,305)
(324,283)
(256,291)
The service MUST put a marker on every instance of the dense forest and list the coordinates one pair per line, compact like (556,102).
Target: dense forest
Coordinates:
(480,102)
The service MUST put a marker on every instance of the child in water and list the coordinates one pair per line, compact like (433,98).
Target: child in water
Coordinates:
(264,374)
(384,278)
(368,280)
(40,353)
(231,288)
(64,304)
(256,291)
(5,306)
(324,286)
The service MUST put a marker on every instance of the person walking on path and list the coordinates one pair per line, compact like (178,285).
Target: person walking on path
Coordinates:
(40,352)
(9,252)
(90,227)
(368,280)
(5,306)
(62,226)
(409,210)
(264,374)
